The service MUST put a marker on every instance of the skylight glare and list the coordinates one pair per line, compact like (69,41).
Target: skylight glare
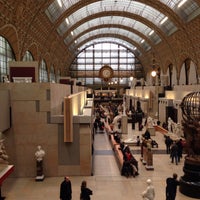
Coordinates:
(59,3)
(67,21)
(181,3)
(151,32)
(164,20)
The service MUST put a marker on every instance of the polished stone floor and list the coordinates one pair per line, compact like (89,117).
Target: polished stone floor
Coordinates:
(106,183)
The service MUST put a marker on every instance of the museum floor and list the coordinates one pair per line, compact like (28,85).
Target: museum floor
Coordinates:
(107,183)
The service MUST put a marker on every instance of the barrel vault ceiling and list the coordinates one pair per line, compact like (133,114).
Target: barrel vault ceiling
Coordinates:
(139,25)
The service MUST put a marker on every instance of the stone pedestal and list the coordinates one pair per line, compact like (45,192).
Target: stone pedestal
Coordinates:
(144,159)
(149,158)
(151,131)
(39,167)
(124,127)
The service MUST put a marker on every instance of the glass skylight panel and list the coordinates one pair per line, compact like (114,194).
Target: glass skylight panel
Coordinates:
(168,27)
(106,39)
(116,31)
(62,28)
(155,38)
(117,20)
(54,11)
(189,10)
(185,11)
(134,7)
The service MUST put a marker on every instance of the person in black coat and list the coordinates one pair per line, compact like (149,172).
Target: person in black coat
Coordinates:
(66,189)
(168,143)
(85,192)
(171,187)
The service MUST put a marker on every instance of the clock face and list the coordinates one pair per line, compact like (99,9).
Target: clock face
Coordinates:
(106,72)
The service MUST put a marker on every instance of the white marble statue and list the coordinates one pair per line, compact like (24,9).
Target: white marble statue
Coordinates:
(149,193)
(150,122)
(116,123)
(39,154)
(169,124)
(178,129)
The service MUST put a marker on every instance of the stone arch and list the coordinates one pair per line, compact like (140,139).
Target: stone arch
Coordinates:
(33,48)
(10,33)
(188,72)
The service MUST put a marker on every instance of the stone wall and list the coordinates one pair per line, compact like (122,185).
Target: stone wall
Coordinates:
(32,106)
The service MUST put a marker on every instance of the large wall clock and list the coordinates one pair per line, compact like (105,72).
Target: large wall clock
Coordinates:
(106,73)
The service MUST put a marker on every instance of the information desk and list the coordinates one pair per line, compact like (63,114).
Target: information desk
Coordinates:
(5,171)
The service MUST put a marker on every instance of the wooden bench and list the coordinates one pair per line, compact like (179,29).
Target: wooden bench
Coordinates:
(119,156)
(118,153)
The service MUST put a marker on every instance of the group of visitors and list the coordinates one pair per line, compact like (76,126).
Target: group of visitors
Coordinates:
(174,148)
(66,190)
(130,164)
(148,194)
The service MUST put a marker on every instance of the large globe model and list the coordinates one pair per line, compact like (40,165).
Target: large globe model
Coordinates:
(191,107)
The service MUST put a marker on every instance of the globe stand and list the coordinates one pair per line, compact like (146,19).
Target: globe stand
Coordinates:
(190,182)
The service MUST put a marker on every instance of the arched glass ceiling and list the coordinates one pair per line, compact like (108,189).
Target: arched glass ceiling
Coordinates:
(134,7)
(142,28)
(112,40)
(54,11)
(186,9)
(115,31)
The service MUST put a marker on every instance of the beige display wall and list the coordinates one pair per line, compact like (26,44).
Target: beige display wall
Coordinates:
(33,106)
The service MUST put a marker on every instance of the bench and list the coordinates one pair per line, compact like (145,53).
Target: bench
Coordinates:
(118,153)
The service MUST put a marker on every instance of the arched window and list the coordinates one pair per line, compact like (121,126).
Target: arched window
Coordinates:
(52,75)
(89,61)
(43,74)
(6,55)
(27,56)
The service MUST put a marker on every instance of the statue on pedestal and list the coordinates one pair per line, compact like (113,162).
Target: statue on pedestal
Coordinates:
(39,154)
(3,154)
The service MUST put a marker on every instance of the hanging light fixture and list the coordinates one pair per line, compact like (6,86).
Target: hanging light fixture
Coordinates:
(131,77)
(153,73)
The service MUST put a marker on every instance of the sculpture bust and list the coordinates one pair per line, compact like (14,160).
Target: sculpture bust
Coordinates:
(39,154)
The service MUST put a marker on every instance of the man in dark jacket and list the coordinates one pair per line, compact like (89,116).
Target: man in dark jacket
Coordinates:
(66,189)
(171,187)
